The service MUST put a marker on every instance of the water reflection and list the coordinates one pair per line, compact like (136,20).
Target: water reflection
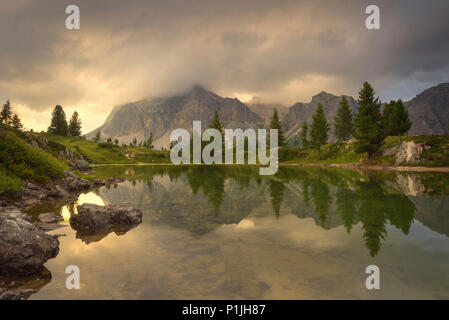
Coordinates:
(227,232)
(221,195)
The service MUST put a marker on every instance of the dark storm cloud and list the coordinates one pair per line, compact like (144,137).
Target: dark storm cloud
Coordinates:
(278,50)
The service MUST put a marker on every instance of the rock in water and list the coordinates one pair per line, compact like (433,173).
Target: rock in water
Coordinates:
(23,247)
(94,219)
(50,217)
(80,164)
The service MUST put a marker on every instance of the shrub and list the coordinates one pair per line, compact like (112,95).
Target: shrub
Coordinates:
(21,160)
(8,183)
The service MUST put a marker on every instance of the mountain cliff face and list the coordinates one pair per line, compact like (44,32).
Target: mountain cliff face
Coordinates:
(429,111)
(301,112)
(162,115)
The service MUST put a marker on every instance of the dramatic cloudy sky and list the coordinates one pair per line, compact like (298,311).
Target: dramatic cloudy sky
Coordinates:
(281,51)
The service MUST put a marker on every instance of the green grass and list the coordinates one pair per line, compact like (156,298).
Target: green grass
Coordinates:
(19,161)
(339,152)
(8,182)
(104,153)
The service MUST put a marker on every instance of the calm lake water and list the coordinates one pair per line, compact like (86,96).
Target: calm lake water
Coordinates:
(228,233)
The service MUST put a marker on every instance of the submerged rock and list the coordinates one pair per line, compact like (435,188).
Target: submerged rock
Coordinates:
(93,222)
(21,288)
(50,217)
(24,248)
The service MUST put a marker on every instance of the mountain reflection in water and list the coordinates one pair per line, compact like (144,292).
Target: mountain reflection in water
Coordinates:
(228,233)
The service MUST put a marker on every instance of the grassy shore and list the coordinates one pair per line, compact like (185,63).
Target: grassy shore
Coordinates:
(106,153)
(37,157)
(436,155)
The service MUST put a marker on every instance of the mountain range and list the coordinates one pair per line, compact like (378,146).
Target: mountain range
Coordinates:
(429,112)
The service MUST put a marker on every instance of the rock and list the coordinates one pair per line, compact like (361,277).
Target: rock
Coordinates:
(21,288)
(50,217)
(24,248)
(93,219)
(109,181)
(390,151)
(31,186)
(410,152)
(99,182)
(81,165)
(114,180)
(74,183)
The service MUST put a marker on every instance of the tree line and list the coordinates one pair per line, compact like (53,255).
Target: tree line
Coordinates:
(369,126)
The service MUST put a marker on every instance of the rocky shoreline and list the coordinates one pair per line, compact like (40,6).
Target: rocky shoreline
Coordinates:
(24,244)
(65,189)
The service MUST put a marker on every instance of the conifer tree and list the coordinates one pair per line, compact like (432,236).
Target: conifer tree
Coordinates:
(58,124)
(320,127)
(216,124)
(275,123)
(16,123)
(149,142)
(369,133)
(97,136)
(395,118)
(304,131)
(75,125)
(6,114)
(343,126)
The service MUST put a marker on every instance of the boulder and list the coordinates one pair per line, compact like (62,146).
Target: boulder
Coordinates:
(50,217)
(24,248)
(410,152)
(74,183)
(93,219)
(80,164)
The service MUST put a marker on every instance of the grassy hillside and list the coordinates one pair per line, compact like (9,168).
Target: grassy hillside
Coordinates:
(104,153)
(20,161)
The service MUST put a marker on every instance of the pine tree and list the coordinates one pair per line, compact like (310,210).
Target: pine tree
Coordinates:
(6,114)
(368,122)
(75,125)
(134,141)
(58,124)
(304,129)
(343,126)
(149,142)
(320,127)
(216,124)
(396,120)
(116,141)
(275,123)
(97,136)
(16,123)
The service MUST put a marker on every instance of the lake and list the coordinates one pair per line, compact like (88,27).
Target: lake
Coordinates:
(212,232)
